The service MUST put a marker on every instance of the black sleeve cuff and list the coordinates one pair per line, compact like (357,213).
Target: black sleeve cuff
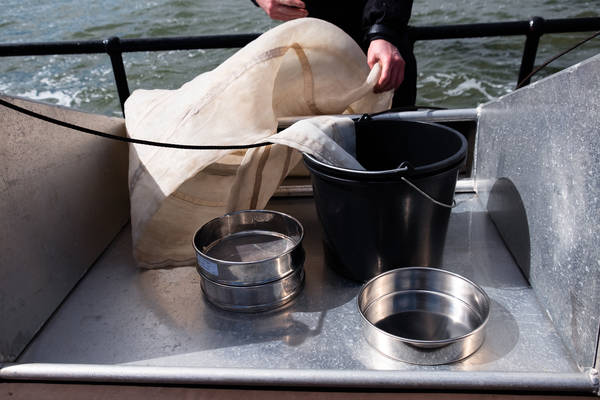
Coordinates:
(255,3)
(380,31)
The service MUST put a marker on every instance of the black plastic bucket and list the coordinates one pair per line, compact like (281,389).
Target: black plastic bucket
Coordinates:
(375,220)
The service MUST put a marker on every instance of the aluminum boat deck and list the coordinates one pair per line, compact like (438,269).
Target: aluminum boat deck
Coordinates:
(121,315)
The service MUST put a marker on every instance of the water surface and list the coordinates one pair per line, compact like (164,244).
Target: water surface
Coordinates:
(452,73)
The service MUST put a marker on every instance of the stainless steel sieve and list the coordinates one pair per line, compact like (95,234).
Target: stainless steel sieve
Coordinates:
(250,247)
(255,298)
(423,315)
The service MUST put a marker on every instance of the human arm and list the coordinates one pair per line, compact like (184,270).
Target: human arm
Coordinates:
(283,10)
(384,25)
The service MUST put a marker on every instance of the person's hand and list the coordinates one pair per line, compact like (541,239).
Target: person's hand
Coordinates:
(283,10)
(392,64)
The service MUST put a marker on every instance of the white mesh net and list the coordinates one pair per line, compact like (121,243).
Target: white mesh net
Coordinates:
(302,67)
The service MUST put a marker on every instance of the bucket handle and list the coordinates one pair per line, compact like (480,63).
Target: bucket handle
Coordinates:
(439,203)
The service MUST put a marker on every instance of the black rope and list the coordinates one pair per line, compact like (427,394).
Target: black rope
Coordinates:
(535,71)
(126,139)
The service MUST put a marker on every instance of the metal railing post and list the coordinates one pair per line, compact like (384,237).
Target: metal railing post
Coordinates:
(113,49)
(536,30)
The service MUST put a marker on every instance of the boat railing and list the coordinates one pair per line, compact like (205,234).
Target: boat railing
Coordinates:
(114,46)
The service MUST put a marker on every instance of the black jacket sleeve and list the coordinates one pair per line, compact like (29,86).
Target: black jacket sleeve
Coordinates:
(386,19)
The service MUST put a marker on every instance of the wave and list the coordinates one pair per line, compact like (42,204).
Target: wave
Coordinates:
(58,97)
(458,89)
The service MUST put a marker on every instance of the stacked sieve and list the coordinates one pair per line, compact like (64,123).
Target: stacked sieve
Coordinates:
(251,260)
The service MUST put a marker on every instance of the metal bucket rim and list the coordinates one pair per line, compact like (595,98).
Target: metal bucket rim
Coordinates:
(447,163)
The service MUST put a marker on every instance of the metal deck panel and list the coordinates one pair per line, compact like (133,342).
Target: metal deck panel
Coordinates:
(121,315)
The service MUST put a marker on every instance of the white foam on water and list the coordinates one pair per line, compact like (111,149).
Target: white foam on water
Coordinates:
(439,79)
(432,79)
(467,85)
(55,97)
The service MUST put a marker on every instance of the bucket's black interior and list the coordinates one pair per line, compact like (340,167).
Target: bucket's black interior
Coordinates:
(391,149)
(383,145)
(374,220)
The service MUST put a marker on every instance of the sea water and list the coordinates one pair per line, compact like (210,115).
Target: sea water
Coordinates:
(451,73)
